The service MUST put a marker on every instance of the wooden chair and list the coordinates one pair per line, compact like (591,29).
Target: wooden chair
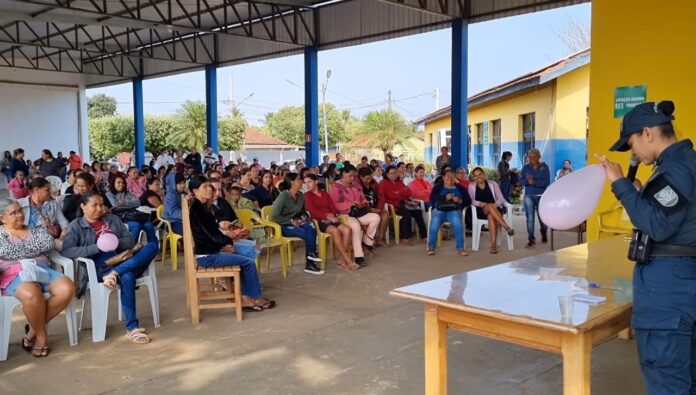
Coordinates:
(614,221)
(170,236)
(287,242)
(274,238)
(200,300)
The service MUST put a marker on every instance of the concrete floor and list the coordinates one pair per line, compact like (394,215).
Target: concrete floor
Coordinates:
(340,333)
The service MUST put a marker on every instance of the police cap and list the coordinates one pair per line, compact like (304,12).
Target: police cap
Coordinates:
(644,115)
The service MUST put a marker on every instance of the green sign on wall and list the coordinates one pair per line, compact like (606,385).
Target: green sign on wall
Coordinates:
(627,97)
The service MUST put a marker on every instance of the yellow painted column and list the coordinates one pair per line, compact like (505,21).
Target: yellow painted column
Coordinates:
(639,42)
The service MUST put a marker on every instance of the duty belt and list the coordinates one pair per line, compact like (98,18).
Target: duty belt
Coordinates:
(673,250)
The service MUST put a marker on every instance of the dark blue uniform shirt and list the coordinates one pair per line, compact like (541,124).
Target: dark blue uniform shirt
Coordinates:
(665,207)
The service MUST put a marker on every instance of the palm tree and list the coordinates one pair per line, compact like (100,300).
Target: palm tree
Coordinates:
(193,121)
(384,129)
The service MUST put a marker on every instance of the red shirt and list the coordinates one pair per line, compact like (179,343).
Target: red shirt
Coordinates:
(100,227)
(465,182)
(394,191)
(420,188)
(319,205)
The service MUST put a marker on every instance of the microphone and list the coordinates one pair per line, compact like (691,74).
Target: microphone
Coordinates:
(633,168)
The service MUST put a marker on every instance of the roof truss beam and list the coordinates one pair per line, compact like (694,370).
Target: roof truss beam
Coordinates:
(65,61)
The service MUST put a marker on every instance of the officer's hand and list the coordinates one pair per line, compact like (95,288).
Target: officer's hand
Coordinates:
(614,171)
(637,184)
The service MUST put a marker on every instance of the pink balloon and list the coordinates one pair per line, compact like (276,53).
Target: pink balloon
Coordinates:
(569,201)
(107,242)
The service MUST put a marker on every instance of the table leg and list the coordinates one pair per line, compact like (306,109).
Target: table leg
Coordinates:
(577,352)
(435,353)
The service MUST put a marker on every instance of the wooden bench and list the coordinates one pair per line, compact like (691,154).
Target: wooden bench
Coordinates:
(200,300)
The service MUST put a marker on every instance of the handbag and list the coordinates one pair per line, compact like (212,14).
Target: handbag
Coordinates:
(357,212)
(132,216)
(447,205)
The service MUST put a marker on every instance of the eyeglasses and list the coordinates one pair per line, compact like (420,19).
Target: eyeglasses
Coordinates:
(16,213)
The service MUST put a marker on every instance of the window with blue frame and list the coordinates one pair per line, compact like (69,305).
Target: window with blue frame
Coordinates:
(479,144)
(495,142)
(528,132)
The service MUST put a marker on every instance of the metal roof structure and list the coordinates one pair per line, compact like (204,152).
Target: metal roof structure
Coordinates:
(114,41)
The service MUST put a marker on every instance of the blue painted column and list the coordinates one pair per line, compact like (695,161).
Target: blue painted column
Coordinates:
(311,86)
(211,124)
(460,34)
(138,123)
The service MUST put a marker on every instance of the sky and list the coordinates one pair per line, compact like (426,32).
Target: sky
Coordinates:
(411,67)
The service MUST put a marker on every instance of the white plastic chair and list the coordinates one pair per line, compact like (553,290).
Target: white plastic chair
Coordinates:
(439,231)
(8,304)
(477,225)
(99,297)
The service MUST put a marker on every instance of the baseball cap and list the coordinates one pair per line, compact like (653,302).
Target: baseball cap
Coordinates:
(644,115)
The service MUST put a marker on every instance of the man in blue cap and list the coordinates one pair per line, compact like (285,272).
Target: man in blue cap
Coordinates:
(663,246)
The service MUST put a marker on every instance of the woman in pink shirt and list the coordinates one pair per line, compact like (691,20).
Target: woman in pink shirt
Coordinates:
(322,209)
(348,198)
(420,187)
(136,183)
(18,185)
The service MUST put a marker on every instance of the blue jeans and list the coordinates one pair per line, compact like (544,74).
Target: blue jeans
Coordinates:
(305,232)
(251,285)
(128,272)
(531,204)
(664,318)
(177,227)
(437,218)
(246,248)
(505,189)
(135,227)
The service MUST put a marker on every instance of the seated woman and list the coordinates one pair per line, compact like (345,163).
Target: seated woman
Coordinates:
(121,266)
(322,209)
(399,196)
(176,185)
(265,193)
(124,205)
(84,183)
(289,213)
(228,221)
(152,197)
(420,187)
(245,183)
(375,199)
(214,249)
(18,185)
(489,201)
(449,199)
(350,201)
(40,211)
(17,244)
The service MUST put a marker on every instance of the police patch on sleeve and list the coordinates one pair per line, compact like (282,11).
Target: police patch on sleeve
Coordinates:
(664,195)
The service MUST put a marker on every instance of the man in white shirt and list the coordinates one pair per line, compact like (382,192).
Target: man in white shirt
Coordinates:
(164,160)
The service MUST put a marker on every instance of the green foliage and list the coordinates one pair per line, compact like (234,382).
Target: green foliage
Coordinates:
(110,135)
(191,133)
(159,131)
(231,132)
(288,124)
(383,130)
(101,105)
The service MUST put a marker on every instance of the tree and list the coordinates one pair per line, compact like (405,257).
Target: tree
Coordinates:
(288,124)
(101,105)
(191,117)
(231,132)
(575,35)
(383,130)
(110,135)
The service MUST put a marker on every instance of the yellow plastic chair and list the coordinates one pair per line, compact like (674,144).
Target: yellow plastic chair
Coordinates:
(395,220)
(251,220)
(287,245)
(170,236)
(325,245)
(614,221)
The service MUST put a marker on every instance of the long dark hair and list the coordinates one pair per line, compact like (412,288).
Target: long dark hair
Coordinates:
(112,183)
(287,182)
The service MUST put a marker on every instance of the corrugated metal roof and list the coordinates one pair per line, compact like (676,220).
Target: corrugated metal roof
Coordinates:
(532,79)
(113,41)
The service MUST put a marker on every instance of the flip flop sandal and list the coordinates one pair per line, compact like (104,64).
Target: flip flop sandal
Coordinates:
(511,232)
(39,352)
(463,253)
(430,252)
(268,305)
(111,281)
(138,336)
(28,342)
(494,251)
(252,308)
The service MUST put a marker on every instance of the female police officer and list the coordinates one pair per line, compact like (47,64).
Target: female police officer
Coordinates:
(664,279)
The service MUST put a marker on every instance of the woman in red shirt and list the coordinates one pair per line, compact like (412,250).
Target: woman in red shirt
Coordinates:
(321,208)
(420,187)
(398,195)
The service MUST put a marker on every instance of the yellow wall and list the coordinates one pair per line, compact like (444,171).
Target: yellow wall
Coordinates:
(637,42)
(572,100)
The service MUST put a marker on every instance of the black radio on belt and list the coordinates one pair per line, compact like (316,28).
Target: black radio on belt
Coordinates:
(640,248)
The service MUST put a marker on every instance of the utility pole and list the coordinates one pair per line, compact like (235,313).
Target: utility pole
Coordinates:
(323,104)
(389,99)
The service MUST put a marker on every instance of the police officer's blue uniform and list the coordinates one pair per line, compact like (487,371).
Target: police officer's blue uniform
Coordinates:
(664,287)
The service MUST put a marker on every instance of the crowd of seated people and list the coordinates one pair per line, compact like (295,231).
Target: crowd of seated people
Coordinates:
(355,205)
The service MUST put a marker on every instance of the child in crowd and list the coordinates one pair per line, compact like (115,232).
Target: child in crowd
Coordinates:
(237,201)
(18,186)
